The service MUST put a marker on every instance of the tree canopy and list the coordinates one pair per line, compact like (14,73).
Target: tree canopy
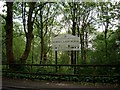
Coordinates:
(28,28)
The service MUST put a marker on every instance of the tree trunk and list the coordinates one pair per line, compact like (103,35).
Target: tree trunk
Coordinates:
(73,53)
(82,45)
(106,30)
(9,33)
(42,38)
(29,35)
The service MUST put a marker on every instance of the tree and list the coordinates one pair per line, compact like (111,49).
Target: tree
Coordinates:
(73,16)
(28,33)
(106,14)
(9,33)
(43,21)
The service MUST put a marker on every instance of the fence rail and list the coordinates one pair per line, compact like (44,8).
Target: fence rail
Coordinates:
(93,75)
(81,65)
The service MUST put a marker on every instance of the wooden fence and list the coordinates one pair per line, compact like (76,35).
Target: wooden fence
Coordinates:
(74,74)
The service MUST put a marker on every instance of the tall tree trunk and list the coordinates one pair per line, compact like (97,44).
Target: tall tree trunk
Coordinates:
(82,44)
(45,33)
(73,53)
(42,38)
(106,30)
(9,33)
(106,24)
(86,46)
(29,35)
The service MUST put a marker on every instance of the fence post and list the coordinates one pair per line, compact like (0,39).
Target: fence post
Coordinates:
(94,67)
(56,60)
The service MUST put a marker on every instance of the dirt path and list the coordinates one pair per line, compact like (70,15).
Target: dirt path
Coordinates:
(37,84)
(16,84)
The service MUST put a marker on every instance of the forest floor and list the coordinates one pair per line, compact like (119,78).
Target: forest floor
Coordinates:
(17,84)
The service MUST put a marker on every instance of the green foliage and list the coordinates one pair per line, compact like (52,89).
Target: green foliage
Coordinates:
(98,55)
(64,58)
(57,18)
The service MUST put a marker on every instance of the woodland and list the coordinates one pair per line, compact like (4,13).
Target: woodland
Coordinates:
(28,28)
